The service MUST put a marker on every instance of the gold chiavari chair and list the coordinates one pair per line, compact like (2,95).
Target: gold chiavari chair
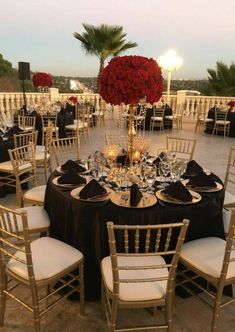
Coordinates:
(26,123)
(202,119)
(44,266)
(43,158)
(25,139)
(221,123)
(100,114)
(66,148)
(80,125)
(121,140)
(135,278)
(52,121)
(229,199)
(23,168)
(182,147)
(157,120)
(176,117)
(212,259)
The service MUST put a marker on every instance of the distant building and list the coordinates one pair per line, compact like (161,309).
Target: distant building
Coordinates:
(77,85)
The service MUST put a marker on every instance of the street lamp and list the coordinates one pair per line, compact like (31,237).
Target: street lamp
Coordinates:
(169,62)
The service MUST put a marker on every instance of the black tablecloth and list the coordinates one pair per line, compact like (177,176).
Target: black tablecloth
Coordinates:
(149,113)
(83,225)
(230,117)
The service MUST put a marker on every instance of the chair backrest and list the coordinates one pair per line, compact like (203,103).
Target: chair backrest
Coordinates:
(220,115)
(23,162)
(230,170)
(164,240)
(24,121)
(229,257)
(120,140)
(14,236)
(49,119)
(159,112)
(182,147)
(25,139)
(66,148)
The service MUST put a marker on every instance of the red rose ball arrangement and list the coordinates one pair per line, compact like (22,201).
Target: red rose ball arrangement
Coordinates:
(42,80)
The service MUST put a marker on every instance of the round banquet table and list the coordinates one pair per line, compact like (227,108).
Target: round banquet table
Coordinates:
(83,224)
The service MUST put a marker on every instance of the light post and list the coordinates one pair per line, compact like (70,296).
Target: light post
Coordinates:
(169,62)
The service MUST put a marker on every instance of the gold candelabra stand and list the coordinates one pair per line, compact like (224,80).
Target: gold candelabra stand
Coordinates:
(131,133)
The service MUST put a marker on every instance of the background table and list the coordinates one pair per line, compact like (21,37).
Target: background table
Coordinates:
(230,117)
(149,113)
(83,225)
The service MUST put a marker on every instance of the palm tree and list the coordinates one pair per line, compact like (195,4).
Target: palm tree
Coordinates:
(222,79)
(103,41)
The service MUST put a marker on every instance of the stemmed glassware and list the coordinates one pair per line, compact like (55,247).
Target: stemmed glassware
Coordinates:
(150,175)
(165,168)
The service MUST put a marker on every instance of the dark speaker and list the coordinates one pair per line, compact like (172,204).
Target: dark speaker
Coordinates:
(24,70)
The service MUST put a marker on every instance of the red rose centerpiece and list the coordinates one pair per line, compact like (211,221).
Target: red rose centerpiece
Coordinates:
(42,80)
(126,79)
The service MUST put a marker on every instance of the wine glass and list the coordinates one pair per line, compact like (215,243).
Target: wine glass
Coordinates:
(165,168)
(150,175)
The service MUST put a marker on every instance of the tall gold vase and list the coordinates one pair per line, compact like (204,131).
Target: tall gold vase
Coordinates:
(131,133)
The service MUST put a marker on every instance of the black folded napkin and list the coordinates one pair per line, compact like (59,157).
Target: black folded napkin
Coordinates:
(135,195)
(201,180)
(177,190)
(193,167)
(12,131)
(72,165)
(92,189)
(71,178)
(123,159)
(160,157)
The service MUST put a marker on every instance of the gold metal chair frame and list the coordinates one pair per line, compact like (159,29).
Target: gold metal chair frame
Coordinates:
(230,173)
(219,283)
(66,148)
(9,280)
(45,162)
(121,140)
(181,146)
(221,123)
(81,125)
(26,121)
(153,235)
(157,118)
(25,139)
(203,120)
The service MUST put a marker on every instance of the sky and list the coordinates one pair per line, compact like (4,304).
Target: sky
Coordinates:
(41,32)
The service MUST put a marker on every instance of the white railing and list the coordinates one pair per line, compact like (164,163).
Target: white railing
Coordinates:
(14,100)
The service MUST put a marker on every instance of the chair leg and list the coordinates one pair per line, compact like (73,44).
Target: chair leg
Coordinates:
(113,318)
(81,282)
(3,284)
(169,314)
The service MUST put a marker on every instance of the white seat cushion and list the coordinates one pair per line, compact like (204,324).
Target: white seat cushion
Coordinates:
(37,218)
(170,117)
(222,122)
(226,219)
(156,118)
(71,126)
(228,198)
(40,148)
(7,166)
(207,255)
(41,156)
(36,194)
(54,129)
(209,120)
(27,128)
(50,257)
(137,291)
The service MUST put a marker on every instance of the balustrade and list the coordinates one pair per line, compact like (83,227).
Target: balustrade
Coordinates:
(191,104)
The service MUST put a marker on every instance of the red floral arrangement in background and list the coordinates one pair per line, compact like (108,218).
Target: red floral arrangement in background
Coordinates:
(73,99)
(231,103)
(42,80)
(128,78)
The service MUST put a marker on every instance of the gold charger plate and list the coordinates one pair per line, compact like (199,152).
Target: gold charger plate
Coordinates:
(123,199)
(167,199)
(56,183)
(207,171)
(102,198)
(59,170)
(218,187)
